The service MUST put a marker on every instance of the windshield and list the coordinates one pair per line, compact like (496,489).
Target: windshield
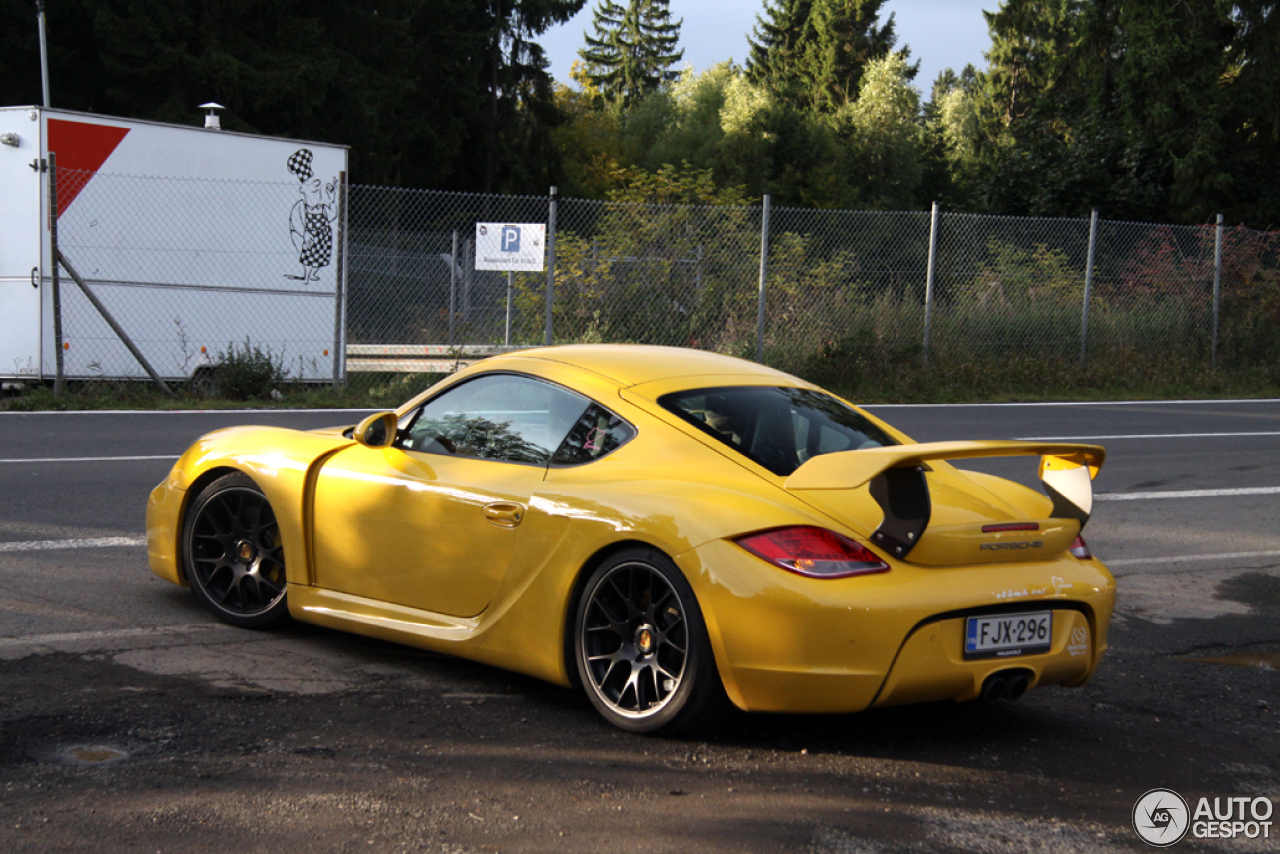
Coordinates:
(779,428)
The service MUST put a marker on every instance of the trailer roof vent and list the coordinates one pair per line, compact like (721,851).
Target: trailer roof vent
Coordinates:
(212,121)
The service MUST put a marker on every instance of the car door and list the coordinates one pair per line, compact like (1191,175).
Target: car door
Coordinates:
(432,521)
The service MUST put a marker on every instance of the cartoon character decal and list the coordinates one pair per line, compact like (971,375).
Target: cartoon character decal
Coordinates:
(311,220)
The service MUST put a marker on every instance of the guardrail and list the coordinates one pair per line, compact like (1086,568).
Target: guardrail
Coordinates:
(419,358)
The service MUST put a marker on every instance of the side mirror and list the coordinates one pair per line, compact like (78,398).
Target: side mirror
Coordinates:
(376,431)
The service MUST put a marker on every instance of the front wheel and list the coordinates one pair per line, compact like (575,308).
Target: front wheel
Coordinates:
(642,649)
(233,555)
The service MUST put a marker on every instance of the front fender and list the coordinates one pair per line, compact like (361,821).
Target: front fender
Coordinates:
(283,463)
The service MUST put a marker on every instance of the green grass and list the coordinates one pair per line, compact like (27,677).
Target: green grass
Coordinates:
(1116,375)
(865,377)
(378,392)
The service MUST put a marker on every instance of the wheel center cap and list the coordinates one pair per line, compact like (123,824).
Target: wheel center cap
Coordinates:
(244,551)
(644,639)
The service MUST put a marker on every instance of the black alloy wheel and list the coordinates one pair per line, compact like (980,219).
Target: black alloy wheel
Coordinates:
(233,555)
(642,649)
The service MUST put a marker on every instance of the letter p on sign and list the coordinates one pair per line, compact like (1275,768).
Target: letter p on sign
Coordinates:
(510,238)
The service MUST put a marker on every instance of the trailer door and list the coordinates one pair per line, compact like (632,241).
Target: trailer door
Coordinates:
(20,235)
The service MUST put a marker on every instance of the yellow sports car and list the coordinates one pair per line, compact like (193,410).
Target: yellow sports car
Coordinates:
(673,530)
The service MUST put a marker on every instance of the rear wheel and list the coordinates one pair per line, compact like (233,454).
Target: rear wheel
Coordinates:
(233,555)
(642,649)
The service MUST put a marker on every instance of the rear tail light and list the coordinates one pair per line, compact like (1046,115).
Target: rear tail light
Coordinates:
(1010,526)
(1080,550)
(814,552)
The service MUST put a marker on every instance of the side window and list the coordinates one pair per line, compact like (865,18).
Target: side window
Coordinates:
(503,417)
(597,432)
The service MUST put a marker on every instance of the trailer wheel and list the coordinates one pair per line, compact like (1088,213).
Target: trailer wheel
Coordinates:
(204,383)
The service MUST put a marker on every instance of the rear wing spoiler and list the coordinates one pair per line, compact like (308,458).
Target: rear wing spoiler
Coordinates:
(898,484)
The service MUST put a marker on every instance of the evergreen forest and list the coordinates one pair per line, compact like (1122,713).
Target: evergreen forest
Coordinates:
(1143,109)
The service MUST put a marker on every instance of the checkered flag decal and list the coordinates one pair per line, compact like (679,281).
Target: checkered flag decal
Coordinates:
(300,163)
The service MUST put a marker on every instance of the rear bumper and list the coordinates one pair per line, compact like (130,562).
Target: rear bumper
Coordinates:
(931,665)
(785,643)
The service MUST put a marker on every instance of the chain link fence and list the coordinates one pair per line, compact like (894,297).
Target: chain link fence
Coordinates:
(192,270)
(412,279)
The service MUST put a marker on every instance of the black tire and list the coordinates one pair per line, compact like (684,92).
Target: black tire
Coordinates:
(642,650)
(232,553)
(204,383)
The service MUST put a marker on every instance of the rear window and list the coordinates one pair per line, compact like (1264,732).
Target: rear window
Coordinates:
(779,428)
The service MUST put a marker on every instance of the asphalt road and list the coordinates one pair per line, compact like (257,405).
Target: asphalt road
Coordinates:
(131,721)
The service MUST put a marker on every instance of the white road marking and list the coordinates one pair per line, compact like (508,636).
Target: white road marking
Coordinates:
(1188,493)
(174,411)
(77,543)
(1139,561)
(72,637)
(1073,403)
(87,459)
(1143,436)
(866,406)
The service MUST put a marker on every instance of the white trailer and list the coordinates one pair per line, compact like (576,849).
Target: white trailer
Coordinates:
(193,239)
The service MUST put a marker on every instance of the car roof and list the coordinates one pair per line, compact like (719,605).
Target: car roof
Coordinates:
(633,364)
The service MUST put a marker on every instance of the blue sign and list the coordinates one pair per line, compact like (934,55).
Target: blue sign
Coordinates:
(511,238)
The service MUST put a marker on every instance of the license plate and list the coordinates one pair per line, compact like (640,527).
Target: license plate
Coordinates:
(1007,635)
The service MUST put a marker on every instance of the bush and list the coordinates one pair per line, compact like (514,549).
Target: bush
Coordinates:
(247,373)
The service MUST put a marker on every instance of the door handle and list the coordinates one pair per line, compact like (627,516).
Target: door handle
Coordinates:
(35,277)
(504,514)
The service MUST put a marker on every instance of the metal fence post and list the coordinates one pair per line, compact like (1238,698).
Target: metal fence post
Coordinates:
(453,284)
(1217,290)
(764,276)
(339,283)
(928,280)
(468,273)
(44,54)
(511,286)
(59,258)
(59,376)
(1088,284)
(551,262)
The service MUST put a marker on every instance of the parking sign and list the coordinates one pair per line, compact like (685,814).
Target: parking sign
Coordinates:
(511,238)
(519,246)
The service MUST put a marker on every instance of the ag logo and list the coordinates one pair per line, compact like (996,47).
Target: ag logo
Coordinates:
(1079,644)
(1161,818)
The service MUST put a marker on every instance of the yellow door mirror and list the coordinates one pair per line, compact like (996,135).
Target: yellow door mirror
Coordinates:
(376,431)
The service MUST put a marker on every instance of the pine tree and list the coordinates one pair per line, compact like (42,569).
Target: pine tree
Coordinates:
(1030,45)
(1142,109)
(633,49)
(811,53)
(512,129)
(841,38)
(777,43)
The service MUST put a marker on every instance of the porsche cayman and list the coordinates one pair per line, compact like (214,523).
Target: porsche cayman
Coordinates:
(674,531)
